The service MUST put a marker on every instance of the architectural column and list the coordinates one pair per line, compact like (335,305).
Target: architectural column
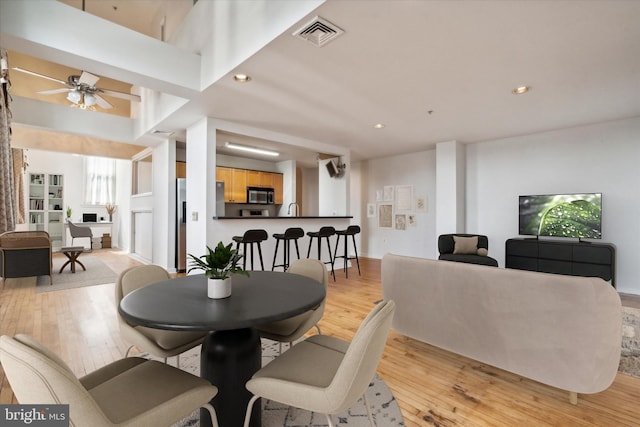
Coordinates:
(201,189)
(450,187)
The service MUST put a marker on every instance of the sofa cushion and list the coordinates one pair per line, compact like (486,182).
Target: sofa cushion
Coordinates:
(470,259)
(482,252)
(446,243)
(465,245)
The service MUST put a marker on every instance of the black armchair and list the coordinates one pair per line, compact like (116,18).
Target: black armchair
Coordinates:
(469,248)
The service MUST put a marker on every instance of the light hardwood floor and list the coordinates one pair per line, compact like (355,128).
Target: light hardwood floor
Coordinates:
(432,386)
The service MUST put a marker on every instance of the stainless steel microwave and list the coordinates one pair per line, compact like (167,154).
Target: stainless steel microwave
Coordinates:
(260,196)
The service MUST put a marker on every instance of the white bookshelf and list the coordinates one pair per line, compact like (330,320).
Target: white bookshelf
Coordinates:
(46,205)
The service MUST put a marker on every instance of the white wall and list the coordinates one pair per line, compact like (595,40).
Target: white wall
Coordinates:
(601,158)
(121,218)
(416,169)
(596,158)
(309,205)
(164,205)
(201,189)
(450,187)
(227,161)
(288,171)
(333,192)
(72,167)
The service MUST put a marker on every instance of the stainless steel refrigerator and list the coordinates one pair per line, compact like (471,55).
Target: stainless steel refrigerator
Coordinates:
(220,198)
(181,224)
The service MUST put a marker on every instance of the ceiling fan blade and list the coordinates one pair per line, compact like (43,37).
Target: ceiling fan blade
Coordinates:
(102,103)
(121,95)
(53,91)
(88,79)
(22,70)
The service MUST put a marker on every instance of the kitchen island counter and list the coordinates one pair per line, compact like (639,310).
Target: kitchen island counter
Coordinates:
(225,228)
(281,217)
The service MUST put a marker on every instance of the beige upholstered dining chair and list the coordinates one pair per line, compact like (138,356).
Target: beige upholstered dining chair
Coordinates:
(78,232)
(325,374)
(289,330)
(158,342)
(129,392)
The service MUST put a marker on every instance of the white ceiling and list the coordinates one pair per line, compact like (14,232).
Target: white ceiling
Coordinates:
(435,71)
(138,15)
(398,60)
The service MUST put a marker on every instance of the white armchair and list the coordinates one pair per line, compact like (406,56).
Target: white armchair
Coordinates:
(325,374)
(132,392)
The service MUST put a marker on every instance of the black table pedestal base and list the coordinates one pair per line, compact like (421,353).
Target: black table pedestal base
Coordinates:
(228,360)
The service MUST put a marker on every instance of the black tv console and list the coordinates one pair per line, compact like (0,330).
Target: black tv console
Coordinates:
(570,258)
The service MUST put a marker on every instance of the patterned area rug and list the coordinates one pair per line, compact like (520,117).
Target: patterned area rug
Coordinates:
(384,407)
(97,273)
(630,357)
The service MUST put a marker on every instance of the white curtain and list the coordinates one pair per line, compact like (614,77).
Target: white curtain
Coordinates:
(100,182)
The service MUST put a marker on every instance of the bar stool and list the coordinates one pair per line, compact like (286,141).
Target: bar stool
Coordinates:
(251,237)
(325,232)
(351,230)
(292,233)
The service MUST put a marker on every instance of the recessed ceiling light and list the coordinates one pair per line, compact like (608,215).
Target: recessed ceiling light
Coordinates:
(378,126)
(241,78)
(520,90)
(251,149)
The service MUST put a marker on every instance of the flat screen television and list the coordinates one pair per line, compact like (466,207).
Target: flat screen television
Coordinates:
(561,215)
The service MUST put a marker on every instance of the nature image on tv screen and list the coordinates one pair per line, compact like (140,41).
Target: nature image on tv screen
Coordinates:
(562,215)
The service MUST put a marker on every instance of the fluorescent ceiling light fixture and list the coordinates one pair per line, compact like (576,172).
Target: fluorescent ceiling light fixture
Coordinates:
(378,126)
(241,78)
(251,149)
(520,90)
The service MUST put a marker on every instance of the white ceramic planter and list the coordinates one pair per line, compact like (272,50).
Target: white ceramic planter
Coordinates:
(219,288)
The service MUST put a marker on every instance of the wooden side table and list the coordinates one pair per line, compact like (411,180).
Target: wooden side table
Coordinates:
(72,253)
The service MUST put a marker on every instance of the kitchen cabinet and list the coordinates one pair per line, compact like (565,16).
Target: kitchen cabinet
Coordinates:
(253,178)
(266,179)
(278,186)
(235,184)
(238,186)
(259,179)
(181,169)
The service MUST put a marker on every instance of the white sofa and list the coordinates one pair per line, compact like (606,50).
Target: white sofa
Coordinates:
(563,331)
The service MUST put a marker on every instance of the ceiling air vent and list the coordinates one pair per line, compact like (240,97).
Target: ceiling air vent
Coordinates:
(318,31)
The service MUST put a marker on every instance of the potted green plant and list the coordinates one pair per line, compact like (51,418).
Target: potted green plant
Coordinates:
(68,211)
(218,265)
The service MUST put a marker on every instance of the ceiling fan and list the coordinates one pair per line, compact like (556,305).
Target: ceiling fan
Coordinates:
(82,90)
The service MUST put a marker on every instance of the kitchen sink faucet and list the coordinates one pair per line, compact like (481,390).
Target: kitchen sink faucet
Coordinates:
(296,210)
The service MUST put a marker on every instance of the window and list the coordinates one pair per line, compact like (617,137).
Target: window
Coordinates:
(100,180)
(142,182)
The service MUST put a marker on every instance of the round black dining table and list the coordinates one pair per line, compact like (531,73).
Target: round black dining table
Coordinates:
(231,353)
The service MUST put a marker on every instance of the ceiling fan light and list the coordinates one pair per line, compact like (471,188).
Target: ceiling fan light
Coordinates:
(89,99)
(74,96)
